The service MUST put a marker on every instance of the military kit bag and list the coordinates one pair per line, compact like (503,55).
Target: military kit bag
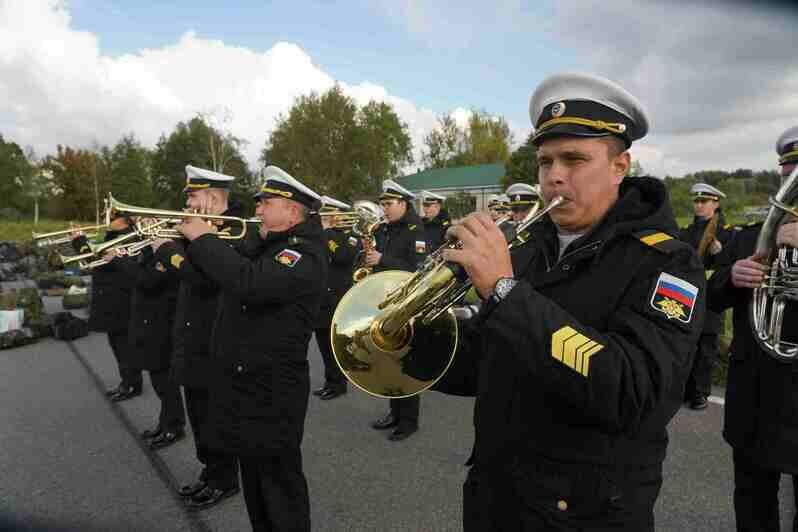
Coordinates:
(66,326)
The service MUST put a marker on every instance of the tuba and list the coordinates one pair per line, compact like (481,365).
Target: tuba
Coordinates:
(780,286)
(369,218)
(394,334)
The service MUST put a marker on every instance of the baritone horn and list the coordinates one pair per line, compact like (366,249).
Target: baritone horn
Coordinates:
(770,300)
(370,217)
(394,334)
(172,219)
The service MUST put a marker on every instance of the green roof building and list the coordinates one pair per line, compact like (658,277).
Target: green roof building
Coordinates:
(480,181)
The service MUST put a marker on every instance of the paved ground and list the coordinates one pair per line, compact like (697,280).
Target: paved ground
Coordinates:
(71,460)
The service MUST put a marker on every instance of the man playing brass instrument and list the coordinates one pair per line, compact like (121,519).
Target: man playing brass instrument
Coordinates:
(401,245)
(580,352)
(207,192)
(342,248)
(761,408)
(707,234)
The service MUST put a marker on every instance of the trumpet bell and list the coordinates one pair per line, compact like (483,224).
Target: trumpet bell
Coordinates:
(410,362)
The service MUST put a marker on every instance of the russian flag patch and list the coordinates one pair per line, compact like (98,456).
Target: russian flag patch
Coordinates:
(674,297)
(288,257)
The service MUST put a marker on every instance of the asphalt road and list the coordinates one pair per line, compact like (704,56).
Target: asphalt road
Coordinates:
(71,460)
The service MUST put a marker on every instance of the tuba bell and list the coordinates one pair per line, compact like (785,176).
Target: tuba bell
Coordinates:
(780,286)
(394,334)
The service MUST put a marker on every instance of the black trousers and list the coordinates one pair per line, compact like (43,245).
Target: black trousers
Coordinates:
(276,493)
(756,496)
(333,376)
(500,503)
(172,416)
(220,469)
(706,356)
(131,377)
(406,410)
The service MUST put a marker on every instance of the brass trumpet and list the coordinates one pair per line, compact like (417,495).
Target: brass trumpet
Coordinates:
(65,236)
(124,243)
(344,220)
(393,334)
(171,219)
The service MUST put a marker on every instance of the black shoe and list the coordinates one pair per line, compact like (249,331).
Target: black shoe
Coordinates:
(210,497)
(150,434)
(189,490)
(125,393)
(332,393)
(385,422)
(698,403)
(167,438)
(319,391)
(400,433)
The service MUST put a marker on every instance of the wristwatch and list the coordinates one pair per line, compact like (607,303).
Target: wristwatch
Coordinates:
(502,288)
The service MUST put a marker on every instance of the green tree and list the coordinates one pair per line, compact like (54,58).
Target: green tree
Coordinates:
(335,147)
(127,167)
(73,173)
(523,165)
(14,167)
(189,144)
(485,140)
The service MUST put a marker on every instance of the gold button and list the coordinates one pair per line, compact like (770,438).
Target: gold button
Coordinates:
(562,505)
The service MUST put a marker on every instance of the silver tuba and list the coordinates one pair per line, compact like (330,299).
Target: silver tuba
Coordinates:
(780,286)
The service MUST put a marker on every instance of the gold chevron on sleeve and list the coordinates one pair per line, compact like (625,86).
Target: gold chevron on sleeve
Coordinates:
(574,349)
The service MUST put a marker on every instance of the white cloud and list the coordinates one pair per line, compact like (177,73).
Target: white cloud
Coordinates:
(56,86)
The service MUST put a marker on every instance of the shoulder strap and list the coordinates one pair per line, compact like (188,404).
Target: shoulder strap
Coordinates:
(658,240)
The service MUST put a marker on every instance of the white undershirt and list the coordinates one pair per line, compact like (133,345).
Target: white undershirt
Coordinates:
(565,241)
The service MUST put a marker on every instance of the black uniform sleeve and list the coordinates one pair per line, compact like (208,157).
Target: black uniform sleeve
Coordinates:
(613,377)
(263,279)
(721,293)
(462,377)
(342,250)
(174,258)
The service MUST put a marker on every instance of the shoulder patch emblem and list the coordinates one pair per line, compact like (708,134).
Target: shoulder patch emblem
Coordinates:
(288,257)
(332,245)
(160,267)
(421,246)
(574,349)
(674,297)
(352,241)
(177,261)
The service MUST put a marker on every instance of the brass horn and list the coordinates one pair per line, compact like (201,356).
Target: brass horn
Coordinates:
(369,218)
(780,286)
(171,219)
(394,334)
(65,236)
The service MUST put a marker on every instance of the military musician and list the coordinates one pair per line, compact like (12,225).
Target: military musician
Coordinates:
(207,192)
(707,234)
(579,355)
(761,406)
(436,219)
(271,290)
(401,245)
(523,198)
(342,248)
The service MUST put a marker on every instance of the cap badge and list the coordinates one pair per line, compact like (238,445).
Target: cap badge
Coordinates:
(558,109)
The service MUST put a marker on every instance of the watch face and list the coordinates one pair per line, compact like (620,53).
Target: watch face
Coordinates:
(503,287)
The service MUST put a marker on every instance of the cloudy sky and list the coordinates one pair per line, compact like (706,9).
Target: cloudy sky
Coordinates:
(719,79)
